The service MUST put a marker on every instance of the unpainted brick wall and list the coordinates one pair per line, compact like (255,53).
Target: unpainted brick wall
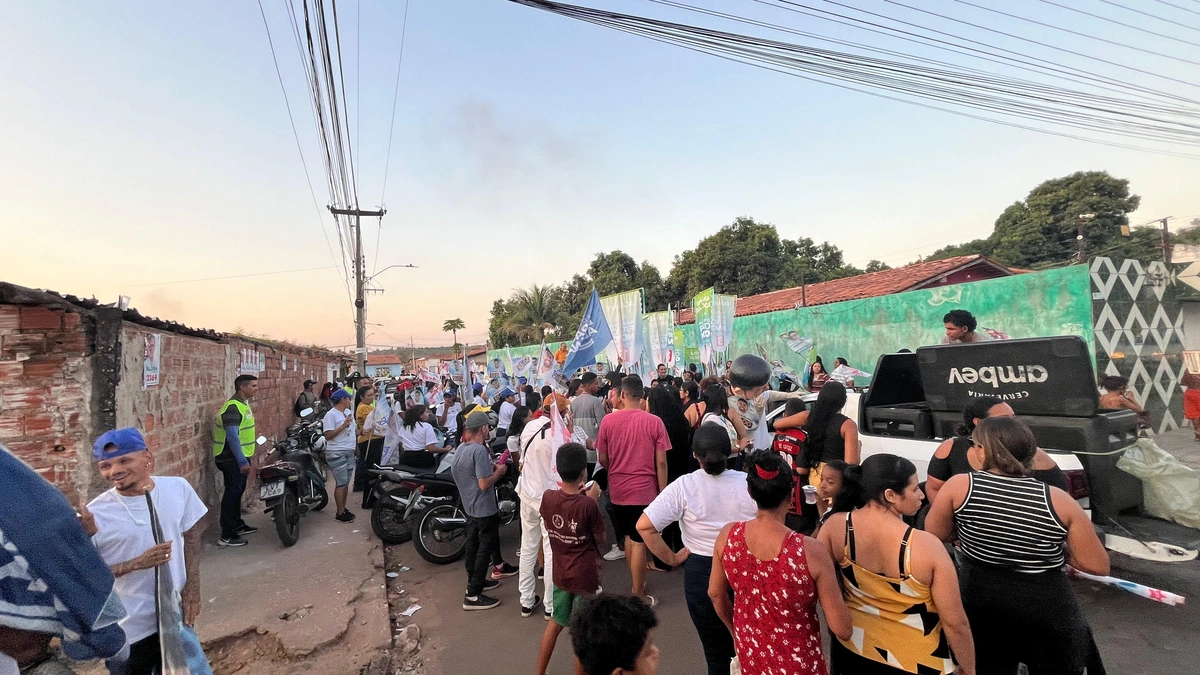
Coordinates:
(45,393)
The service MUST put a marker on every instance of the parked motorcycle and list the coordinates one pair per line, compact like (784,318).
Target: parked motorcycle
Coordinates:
(292,486)
(308,434)
(441,534)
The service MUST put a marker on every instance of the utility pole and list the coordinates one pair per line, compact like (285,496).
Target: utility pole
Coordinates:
(1166,240)
(360,281)
(413,351)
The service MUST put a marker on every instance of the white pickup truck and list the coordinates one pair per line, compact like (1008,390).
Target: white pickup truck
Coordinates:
(916,399)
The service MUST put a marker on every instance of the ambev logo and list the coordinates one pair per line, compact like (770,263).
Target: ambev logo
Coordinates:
(997,375)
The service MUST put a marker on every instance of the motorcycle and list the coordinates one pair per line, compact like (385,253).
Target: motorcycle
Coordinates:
(309,434)
(441,534)
(292,486)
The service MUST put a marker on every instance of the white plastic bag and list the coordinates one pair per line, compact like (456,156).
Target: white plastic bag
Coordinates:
(1171,489)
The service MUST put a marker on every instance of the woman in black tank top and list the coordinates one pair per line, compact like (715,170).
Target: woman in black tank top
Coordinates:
(950,459)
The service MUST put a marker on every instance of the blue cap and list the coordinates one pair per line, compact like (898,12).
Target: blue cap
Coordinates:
(522,380)
(339,395)
(118,442)
(478,387)
(506,392)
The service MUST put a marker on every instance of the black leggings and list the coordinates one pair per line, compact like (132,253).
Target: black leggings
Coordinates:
(714,636)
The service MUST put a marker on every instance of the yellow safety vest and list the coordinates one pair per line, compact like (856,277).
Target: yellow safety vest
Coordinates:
(246,434)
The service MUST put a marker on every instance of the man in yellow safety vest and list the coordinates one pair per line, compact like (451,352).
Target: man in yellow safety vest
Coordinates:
(233,446)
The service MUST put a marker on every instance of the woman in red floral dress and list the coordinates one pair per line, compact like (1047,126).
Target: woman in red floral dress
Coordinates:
(777,576)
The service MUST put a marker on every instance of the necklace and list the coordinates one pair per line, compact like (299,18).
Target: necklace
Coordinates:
(121,498)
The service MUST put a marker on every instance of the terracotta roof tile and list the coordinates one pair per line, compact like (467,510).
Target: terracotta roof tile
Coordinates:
(869,285)
(383,359)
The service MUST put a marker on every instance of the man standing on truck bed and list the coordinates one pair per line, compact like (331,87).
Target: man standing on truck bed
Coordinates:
(960,328)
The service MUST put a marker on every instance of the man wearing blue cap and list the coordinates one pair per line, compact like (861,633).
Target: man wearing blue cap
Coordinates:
(119,522)
(234,441)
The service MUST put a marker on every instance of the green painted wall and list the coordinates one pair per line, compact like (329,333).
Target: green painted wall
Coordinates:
(1052,302)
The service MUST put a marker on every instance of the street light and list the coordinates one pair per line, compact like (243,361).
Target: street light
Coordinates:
(1082,220)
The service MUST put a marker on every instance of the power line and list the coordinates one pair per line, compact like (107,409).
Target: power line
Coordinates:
(296,136)
(1155,16)
(1010,35)
(997,95)
(1126,25)
(395,95)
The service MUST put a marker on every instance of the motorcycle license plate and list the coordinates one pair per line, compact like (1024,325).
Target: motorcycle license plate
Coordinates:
(271,490)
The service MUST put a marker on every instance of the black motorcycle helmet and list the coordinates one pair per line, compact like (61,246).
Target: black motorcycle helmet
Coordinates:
(749,375)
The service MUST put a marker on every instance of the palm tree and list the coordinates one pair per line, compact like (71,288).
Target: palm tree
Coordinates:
(453,326)
(535,311)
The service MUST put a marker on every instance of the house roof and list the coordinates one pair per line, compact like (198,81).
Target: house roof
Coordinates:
(874,284)
(473,352)
(383,359)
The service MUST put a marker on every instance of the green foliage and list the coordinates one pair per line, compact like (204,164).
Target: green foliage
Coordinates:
(532,313)
(877,266)
(453,325)
(747,258)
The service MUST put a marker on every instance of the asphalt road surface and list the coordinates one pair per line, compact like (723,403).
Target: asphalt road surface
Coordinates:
(1136,636)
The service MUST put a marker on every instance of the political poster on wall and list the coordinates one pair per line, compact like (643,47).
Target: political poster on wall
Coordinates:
(152,360)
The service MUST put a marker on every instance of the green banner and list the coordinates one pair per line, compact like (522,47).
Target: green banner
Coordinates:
(702,307)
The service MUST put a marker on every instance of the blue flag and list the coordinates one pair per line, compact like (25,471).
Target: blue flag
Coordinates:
(591,338)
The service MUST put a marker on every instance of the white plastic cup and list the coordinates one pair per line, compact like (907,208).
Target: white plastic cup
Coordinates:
(810,494)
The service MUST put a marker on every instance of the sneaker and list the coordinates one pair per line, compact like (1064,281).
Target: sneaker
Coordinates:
(541,573)
(528,611)
(478,602)
(246,529)
(615,554)
(234,541)
(651,600)
(345,517)
(490,584)
(548,615)
(504,570)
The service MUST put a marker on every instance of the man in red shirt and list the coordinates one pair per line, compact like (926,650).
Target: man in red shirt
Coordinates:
(632,445)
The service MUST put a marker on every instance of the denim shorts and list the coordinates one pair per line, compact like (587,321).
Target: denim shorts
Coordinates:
(341,464)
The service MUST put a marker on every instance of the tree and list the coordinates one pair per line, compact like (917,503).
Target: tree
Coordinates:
(617,272)
(1042,229)
(747,258)
(974,247)
(533,312)
(453,326)
(877,266)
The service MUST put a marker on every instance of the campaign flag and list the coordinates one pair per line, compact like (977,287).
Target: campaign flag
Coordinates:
(724,307)
(179,647)
(677,349)
(702,308)
(660,339)
(844,374)
(592,336)
(523,366)
(546,365)
(512,367)
(797,343)
(623,312)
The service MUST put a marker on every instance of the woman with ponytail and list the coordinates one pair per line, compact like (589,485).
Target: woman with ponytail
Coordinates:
(702,502)
(778,577)
(893,575)
(1014,535)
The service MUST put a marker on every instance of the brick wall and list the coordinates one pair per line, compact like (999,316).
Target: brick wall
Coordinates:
(45,392)
(176,415)
(68,373)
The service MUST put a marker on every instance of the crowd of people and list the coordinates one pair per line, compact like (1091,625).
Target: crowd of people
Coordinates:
(962,574)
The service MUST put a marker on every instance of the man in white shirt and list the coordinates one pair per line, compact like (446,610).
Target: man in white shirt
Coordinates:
(479,399)
(119,524)
(341,440)
(447,414)
(506,411)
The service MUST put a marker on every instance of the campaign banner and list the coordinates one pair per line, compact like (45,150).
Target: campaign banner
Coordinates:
(660,339)
(548,371)
(691,352)
(678,349)
(702,308)
(623,313)
(724,307)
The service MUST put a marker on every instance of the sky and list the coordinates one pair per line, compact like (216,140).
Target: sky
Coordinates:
(147,146)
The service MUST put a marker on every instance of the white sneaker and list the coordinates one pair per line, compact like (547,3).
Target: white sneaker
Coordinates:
(615,554)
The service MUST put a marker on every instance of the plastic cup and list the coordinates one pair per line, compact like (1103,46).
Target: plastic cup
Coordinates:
(810,494)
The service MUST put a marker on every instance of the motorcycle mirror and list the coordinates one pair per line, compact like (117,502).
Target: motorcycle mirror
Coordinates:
(260,440)
(306,412)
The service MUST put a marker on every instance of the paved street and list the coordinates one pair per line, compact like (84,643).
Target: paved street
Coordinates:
(1136,636)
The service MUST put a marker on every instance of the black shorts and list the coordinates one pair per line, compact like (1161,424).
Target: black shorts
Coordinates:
(627,517)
